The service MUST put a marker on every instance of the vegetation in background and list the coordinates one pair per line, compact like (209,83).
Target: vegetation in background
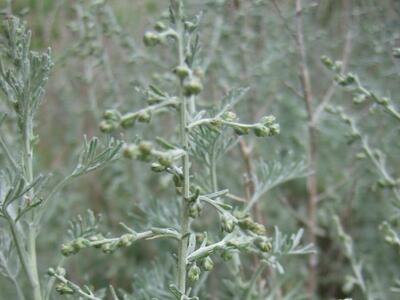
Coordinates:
(168,113)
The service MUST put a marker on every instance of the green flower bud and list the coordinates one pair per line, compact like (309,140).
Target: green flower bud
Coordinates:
(128,121)
(112,114)
(81,243)
(226,255)
(261,130)
(258,228)
(106,126)
(383,101)
(229,116)
(327,61)
(145,148)
(248,224)
(160,26)
(130,151)
(195,210)
(144,117)
(108,248)
(126,240)
(182,71)
(68,249)
(95,238)
(194,273)
(165,160)
(156,167)
(64,289)
(217,123)
(153,100)
(263,244)
(151,39)
(51,272)
(241,130)
(192,87)
(275,129)
(207,264)
(268,120)
(227,223)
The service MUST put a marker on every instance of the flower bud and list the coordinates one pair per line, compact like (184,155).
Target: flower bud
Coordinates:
(156,167)
(207,264)
(108,248)
(153,100)
(327,61)
(165,160)
(126,240)
(112,114)
(144,117)
(229,116)
(268,120)
(130,151)
(160,26)
(192,87)
(182,71)
(227,223)
(226,255)
(51,272)
(64,289)
(151,39)
(263,244)
(68,249)
(81,243)
(128,121)
(194,273)
(195,210)
(261,130)
(106,126)
(275,129)
(383,101)
(241,130)
(145,148)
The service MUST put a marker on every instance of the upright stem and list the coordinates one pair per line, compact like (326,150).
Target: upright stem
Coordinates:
(184,140)
(31,241)
(312,149)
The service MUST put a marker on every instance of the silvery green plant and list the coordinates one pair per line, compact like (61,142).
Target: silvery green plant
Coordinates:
(27,195)
(204,135)
(362,95)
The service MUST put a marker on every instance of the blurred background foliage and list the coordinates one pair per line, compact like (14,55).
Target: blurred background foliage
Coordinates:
(100,62)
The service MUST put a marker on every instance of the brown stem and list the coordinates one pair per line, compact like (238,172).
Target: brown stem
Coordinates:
(312,149)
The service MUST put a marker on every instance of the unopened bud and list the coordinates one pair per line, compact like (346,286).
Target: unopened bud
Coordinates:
(194,273)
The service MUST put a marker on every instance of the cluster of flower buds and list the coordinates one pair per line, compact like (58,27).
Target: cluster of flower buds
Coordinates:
(247,223)
(346,79)
(159,35)
(267,125)
(111,121)
(63,288)
(145,151)
(97,241)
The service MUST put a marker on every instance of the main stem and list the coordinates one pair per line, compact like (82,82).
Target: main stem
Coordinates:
(184,140)
(31,241)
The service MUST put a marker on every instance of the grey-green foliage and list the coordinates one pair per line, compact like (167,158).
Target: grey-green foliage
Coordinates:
(27,195)
(200,133)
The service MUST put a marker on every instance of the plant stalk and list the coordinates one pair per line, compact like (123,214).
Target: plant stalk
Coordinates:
(184,141)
